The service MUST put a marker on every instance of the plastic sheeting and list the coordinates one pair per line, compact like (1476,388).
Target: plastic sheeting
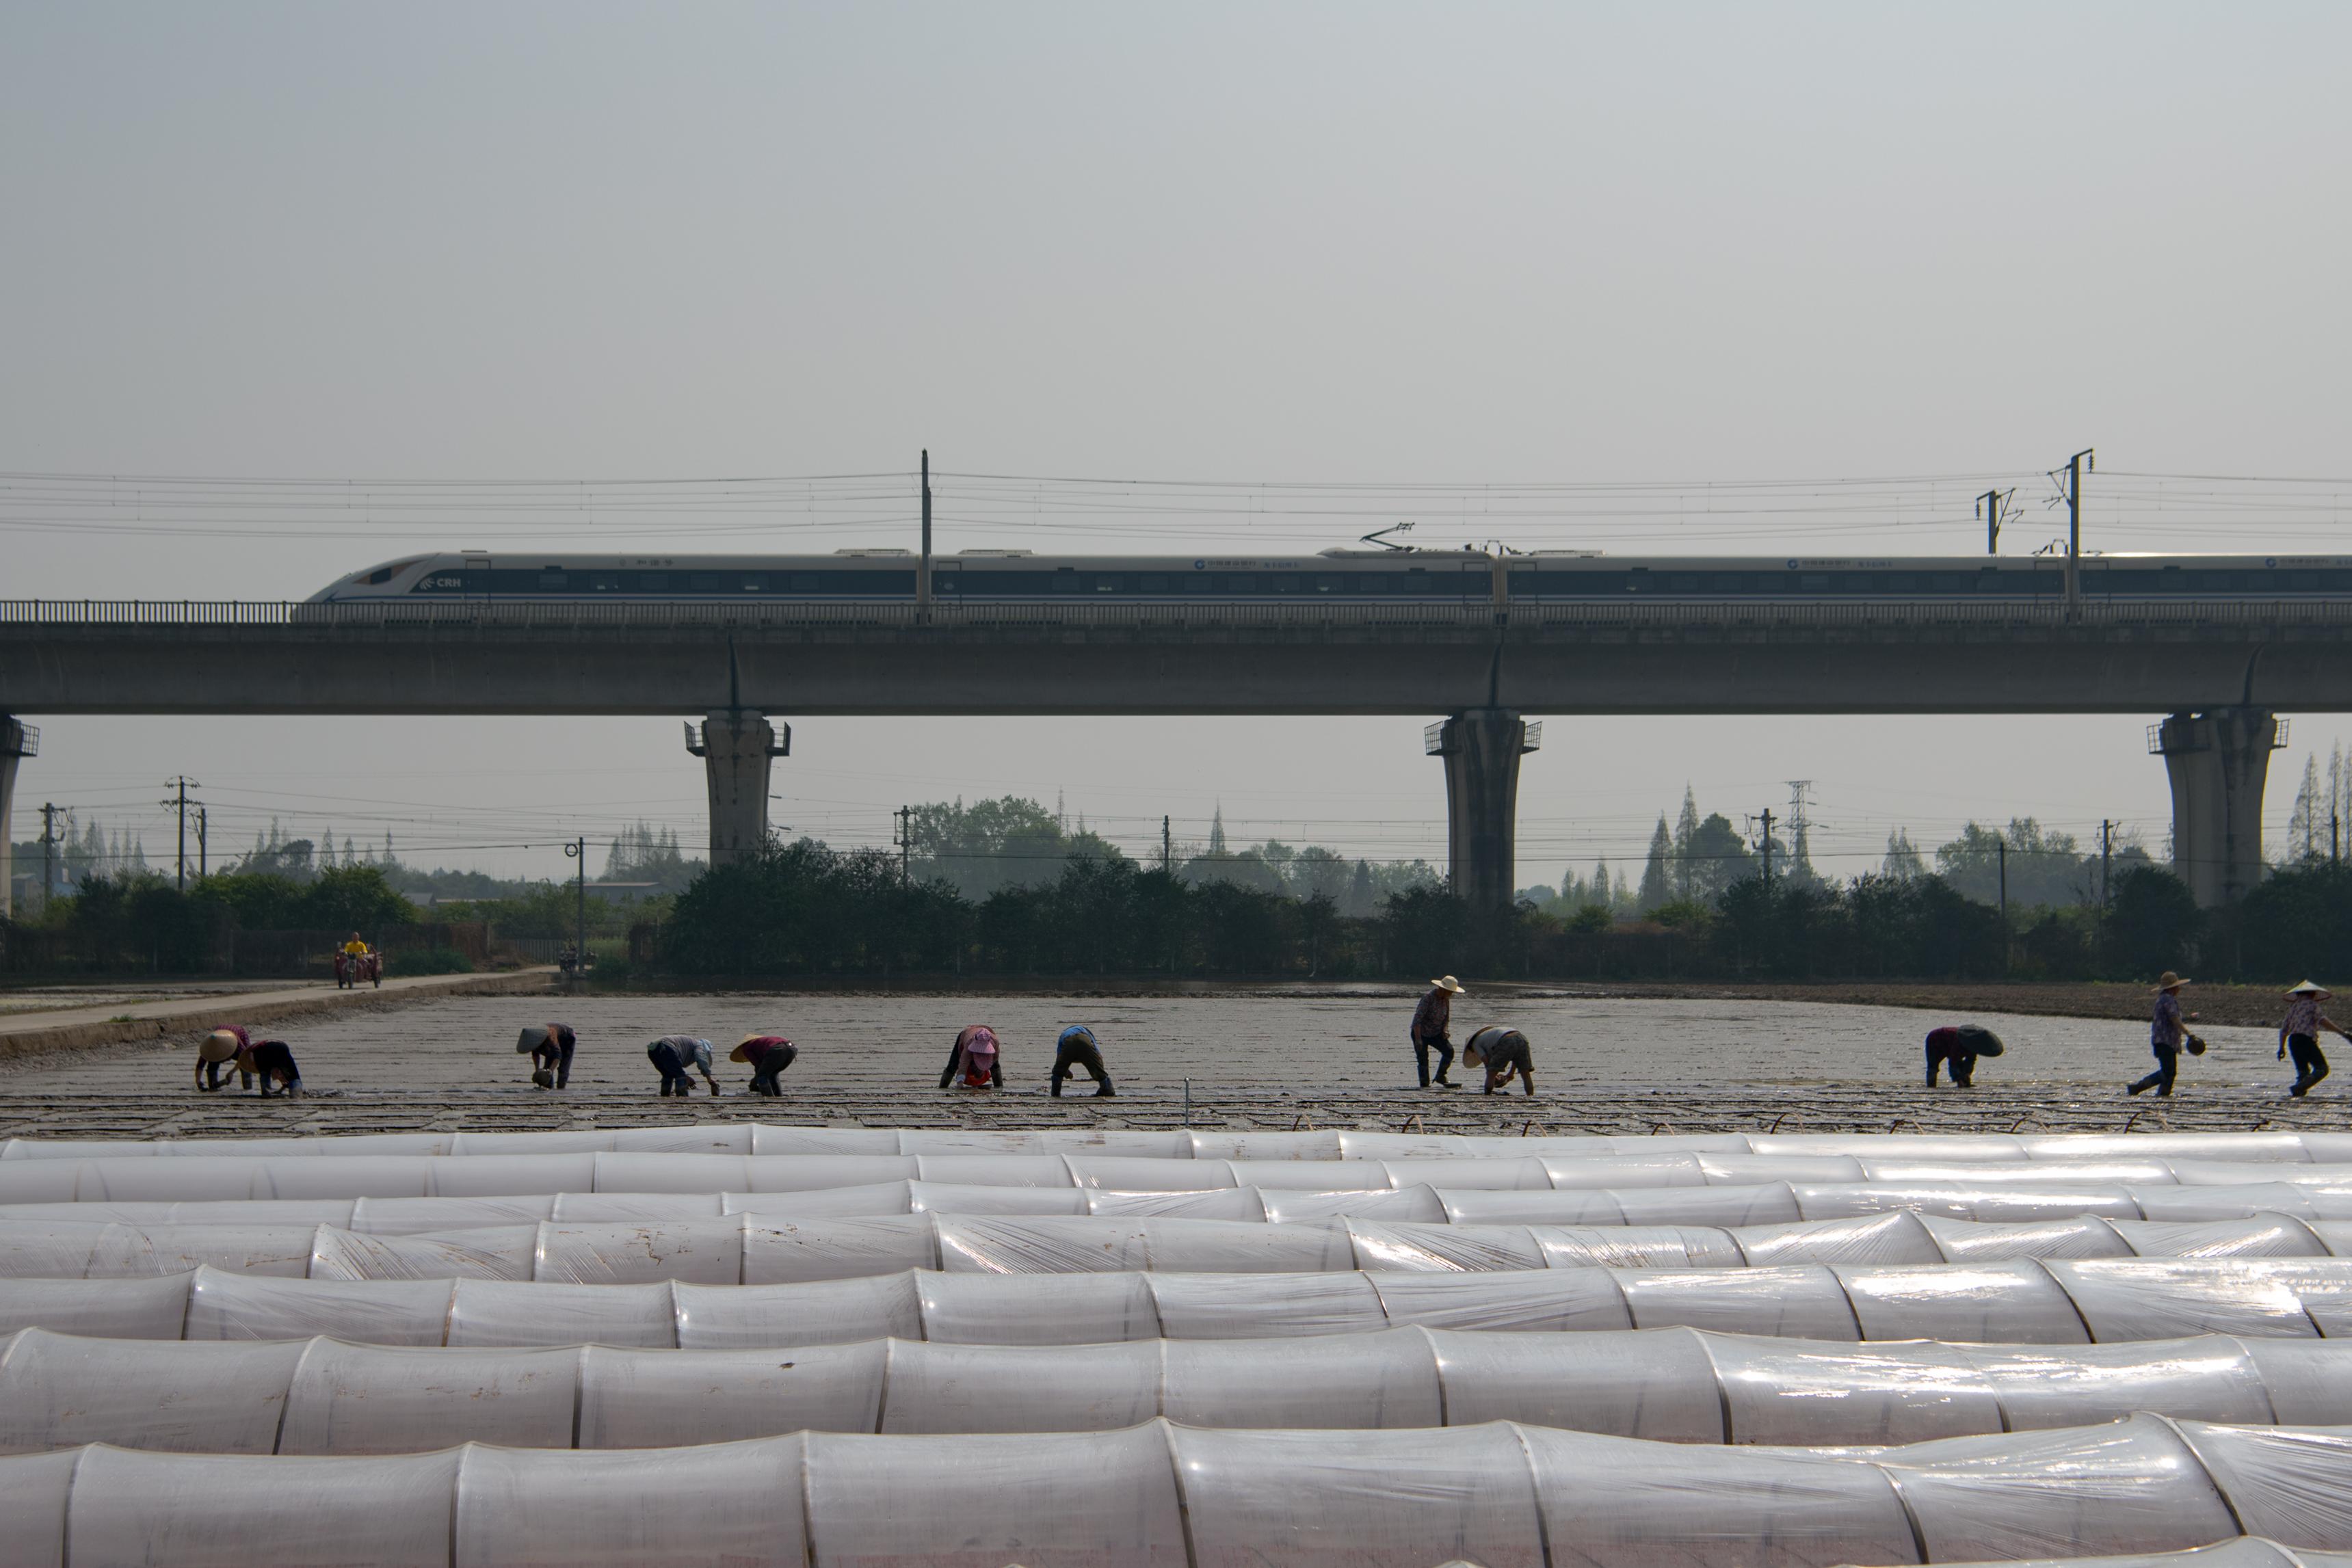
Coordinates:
(750,1247)
(324,1396)
(2246,1552)
(1720,1205)
(1501,1494)
(1821,1185)
(2014,1302)
(1843,1150)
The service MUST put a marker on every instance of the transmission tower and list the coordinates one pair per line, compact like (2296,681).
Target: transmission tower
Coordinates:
(1801,852)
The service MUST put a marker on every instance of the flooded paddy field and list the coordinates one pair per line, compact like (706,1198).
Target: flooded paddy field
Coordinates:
(1272,1058)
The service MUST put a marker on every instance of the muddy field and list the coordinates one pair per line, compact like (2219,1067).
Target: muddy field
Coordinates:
(1331,1057)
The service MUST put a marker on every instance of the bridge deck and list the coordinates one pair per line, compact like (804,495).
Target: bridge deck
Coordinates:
(1762,657)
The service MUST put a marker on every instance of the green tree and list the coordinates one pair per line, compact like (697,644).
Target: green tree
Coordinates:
(977,849)
(2044,867)
(1717,857)
(356,898)
(2298,925)
(1687,826)
(1903,860)
(1427,930)
(2152,924)
(1657,886)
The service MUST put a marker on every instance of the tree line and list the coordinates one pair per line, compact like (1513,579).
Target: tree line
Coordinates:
(802,909)
(1007,888)
(1698,858)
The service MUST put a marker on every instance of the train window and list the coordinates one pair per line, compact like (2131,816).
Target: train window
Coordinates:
(1330,585)
(1241,584)
(1106,585)
(652,583)
(805,582)
(605,581)
(1685,582)
(1723,582)
(753,583)
(1637,580)
(1902,583)
(1288,582)
(703,582)
(945,582)
(1153,583)
(1066,582)
(553,580)
(1813,582)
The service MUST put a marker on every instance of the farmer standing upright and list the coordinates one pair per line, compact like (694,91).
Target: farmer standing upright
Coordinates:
(1431,1021)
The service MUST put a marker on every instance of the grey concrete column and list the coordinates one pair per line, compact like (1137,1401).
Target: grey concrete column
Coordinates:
(17,741)
(1482,747)
(736,747)
(2217,761)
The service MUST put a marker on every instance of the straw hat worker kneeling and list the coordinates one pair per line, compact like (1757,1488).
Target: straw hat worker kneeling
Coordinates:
(1502,1053)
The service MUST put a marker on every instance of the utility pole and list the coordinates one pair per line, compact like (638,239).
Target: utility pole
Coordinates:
(2002,845)
(904,839)
(181,784)
(578,849)
(923,565)
(1767,849)
(48,853)
(2076,466)
(1989,506)
(1167,846)
(2106,861)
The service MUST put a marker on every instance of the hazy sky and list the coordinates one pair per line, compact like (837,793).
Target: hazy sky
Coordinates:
(1381,244)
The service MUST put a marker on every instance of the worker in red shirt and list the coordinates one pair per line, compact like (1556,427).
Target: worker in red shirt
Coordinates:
(769,1054)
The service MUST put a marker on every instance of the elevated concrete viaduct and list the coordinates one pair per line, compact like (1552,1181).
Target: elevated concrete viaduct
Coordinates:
(2221,669)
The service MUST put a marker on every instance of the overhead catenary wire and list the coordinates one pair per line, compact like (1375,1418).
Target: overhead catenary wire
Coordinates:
(1266,511)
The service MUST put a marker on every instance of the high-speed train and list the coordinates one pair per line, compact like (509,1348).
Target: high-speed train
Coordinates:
(1360,575)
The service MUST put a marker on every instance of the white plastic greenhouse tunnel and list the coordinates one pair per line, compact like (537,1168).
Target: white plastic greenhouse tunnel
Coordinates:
(735,1344)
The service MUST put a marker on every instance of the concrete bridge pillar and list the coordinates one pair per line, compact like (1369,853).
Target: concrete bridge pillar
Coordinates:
(736,747)
(17,741)
(2217,761)
(1482,747)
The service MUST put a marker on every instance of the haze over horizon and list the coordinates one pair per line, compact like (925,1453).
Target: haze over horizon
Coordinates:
(1687,280)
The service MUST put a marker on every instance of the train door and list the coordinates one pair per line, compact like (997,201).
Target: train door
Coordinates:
(476,574)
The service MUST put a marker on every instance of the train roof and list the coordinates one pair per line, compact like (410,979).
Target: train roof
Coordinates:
(558,558)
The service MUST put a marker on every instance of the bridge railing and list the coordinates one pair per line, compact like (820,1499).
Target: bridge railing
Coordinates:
(1175,615)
